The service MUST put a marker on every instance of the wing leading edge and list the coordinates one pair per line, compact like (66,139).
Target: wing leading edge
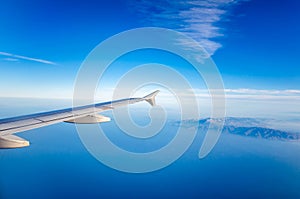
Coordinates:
(83,115)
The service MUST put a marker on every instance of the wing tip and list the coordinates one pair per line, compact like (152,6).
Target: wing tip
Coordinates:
(150,98)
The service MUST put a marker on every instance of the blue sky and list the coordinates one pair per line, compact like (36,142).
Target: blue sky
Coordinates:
(254,43)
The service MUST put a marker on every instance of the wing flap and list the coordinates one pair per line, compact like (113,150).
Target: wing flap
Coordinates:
(59,116)
(14,124)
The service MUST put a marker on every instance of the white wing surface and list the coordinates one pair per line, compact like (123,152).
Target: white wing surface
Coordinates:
(84,114)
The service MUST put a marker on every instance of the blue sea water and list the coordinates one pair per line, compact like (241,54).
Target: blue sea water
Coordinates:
(57,165)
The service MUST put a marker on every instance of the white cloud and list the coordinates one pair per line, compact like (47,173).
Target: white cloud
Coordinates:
(263,92)
(242,94)
(251,94)
(13,57)
(198,19)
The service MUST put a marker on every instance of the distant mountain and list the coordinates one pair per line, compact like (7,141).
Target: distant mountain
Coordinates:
(250,127)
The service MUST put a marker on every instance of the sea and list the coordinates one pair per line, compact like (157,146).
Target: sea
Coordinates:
(58,165)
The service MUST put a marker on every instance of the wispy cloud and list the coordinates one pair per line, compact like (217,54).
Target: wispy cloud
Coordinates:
(10,59)
(243,94)
(14,57)
(263,92)
(253,94)
(199,19)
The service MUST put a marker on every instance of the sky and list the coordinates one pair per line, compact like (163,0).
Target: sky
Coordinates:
(254,43)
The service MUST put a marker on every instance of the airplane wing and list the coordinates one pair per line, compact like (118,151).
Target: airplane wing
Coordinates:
(83,114)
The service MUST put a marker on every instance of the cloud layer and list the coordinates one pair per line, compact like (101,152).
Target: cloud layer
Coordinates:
(254,94)
(198,19)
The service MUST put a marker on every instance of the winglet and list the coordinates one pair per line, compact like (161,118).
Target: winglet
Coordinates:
(151,98)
